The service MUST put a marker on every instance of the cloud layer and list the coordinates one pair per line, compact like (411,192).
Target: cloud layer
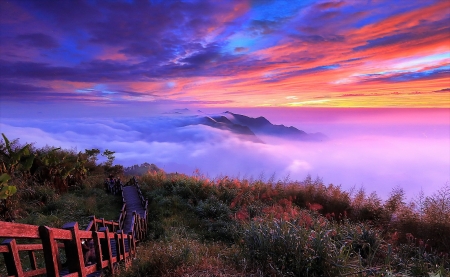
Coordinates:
(405,153)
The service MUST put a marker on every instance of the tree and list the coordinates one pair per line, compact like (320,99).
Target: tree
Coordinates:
(109,156)
(92,154)
(15,159)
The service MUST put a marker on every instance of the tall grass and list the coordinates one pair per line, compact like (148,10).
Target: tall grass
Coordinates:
(301,228)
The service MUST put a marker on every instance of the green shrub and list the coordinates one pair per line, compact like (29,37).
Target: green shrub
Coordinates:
(216,220)
(285,248)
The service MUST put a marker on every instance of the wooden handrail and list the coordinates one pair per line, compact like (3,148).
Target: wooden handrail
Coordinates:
(133,224)
(95,223)
(25,231)
(72,239)
(103,234)
(123,214)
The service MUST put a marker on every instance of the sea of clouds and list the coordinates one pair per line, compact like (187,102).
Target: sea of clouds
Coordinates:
(359,153)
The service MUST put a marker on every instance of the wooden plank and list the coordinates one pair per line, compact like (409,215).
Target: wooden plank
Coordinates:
(90,269)
(105,263)
(61,234)
(50,251)
(18,230)
(4,249)
(36,272)
(12,259)
(25,247)
(91,224)
(85,234)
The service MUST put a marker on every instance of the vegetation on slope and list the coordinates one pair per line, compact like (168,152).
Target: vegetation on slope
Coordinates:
(256,228)
(52,185)
(239,227)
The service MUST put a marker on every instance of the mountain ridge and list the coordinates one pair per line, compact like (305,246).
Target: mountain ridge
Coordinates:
(245,127)
(261,126)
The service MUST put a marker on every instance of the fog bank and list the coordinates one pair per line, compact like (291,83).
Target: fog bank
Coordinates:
(408,149)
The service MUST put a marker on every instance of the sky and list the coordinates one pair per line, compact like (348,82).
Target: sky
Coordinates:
(372,75)
(261,53)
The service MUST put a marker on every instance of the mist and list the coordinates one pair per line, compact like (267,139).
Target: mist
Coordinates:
(376,150)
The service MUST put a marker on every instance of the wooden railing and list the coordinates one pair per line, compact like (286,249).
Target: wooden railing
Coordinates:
(123,214)
(96,223)
(110,248)
(142,221)
(30,250)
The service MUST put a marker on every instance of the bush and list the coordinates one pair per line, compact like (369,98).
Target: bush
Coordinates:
(286,248)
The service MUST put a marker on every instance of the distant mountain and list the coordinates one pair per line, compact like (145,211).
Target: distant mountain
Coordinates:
(245,127)
(262,126)
(186,117)
(139,170)
(223,123)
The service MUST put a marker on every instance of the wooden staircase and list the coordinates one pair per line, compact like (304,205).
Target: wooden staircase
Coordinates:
(113,242)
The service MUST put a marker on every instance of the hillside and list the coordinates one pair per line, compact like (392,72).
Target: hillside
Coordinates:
(233,227)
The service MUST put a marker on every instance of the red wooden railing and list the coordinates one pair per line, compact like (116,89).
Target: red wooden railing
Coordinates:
(58,251)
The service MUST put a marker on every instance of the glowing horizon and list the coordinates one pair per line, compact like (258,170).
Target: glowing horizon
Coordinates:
(227,54)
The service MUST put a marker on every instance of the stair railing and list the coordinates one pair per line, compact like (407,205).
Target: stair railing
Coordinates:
(45,241)
(49,241)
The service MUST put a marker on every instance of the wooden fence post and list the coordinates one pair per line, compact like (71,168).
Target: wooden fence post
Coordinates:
(12,259)
(98,250)
(117,239)
(50,247)
(133,221)
(106,248)
(103,222)
(132,245)
(94,223)
(120,245)
(74,253)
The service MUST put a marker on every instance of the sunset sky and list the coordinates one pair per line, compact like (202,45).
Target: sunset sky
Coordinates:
(374,53)
(373,76)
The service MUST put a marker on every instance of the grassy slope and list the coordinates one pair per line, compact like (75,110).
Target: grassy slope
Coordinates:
(41,205)
(230,227)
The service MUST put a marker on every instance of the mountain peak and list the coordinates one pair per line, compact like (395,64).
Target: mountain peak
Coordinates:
(248,121)
(248,128)
(261,126)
